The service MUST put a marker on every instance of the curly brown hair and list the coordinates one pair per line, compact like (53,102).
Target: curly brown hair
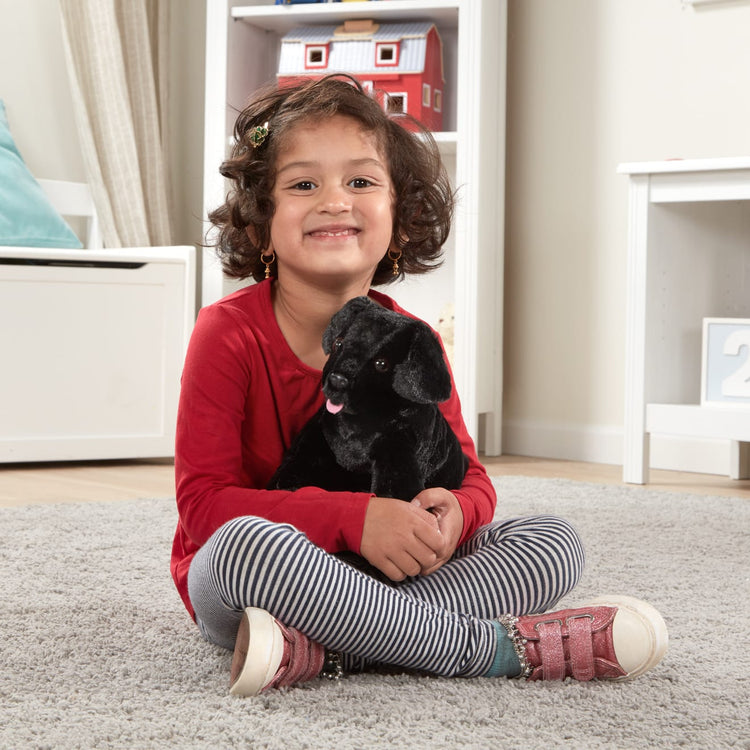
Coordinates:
(423,198)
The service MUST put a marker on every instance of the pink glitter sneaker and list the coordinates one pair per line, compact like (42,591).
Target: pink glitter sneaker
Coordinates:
(269,655)
(615,637)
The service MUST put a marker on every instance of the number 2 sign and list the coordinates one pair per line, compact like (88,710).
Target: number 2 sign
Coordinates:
(725,377)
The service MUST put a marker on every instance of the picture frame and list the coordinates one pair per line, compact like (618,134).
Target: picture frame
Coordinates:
(725,370)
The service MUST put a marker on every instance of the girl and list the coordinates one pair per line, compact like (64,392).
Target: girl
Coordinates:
(330,197)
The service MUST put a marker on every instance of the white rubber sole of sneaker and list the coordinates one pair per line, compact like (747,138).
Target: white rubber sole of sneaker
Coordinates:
(265,647)
(639,633)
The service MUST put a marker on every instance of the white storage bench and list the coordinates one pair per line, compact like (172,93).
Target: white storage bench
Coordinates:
(91,350)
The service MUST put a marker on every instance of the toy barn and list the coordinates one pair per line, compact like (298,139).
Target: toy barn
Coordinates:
(403,60)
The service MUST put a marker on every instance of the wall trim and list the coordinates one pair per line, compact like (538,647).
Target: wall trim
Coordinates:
(604,444)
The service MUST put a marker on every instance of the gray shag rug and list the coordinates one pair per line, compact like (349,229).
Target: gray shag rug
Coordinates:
(96,650)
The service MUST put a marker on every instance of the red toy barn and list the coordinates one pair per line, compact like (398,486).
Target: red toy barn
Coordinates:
(404,60)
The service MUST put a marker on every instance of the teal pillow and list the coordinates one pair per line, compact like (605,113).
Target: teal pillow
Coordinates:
(27,218)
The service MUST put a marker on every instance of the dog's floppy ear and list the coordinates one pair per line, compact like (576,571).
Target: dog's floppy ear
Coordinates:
(423,376)
(343,319)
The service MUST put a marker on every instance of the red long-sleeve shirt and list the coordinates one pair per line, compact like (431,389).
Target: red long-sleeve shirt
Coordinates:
(244,397)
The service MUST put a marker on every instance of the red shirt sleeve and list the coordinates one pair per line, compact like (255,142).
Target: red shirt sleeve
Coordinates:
(476,496)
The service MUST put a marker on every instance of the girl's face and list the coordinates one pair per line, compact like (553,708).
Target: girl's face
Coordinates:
(333,198)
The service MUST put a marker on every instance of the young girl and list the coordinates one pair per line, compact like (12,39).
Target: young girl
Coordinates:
(330,196)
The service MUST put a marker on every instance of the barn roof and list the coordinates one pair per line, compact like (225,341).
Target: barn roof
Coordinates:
(356,53)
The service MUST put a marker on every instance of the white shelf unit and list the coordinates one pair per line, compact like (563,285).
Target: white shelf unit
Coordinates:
(688,258)
(242,48)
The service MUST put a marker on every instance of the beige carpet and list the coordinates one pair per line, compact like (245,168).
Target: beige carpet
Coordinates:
(97,652)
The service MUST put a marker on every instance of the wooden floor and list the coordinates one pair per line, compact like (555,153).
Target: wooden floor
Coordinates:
(97,481)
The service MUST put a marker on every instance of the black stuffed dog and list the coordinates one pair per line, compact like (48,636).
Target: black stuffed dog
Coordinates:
(380,429)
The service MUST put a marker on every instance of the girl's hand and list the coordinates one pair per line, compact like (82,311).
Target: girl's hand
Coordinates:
(444,506)
(401,539)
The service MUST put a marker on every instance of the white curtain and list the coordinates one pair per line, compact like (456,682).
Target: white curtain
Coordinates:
(117,58)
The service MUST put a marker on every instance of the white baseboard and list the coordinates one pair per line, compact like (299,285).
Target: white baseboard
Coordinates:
(567,442)
(604,445)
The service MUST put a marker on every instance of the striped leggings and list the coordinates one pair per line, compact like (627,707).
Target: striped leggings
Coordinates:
(440,623)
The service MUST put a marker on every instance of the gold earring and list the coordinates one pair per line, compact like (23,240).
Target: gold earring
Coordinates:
(395,259)
(268,262)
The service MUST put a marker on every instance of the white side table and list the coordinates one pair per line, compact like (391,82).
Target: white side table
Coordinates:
(688,258)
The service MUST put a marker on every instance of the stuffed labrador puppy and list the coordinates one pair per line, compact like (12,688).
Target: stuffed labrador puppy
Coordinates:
(380,429)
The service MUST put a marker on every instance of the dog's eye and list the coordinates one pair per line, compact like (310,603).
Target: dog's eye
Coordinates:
(382,364)
(337,344)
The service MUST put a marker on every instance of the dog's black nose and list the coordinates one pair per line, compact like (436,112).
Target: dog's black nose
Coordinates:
(338,381)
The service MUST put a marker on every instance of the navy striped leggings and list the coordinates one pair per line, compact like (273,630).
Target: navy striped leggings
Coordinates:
(439,623)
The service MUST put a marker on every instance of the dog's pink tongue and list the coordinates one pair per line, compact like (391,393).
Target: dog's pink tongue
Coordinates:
(333,408)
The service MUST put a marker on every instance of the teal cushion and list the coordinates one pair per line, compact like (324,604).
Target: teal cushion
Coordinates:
(27,218)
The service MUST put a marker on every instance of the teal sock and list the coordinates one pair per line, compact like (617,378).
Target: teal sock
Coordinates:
(506,662)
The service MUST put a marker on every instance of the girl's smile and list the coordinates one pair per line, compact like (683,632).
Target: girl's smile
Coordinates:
(334,233)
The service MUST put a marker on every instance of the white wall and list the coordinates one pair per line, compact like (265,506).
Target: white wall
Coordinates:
(591,84)
(35,88)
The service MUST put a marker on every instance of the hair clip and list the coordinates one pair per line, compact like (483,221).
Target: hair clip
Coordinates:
(258,134)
